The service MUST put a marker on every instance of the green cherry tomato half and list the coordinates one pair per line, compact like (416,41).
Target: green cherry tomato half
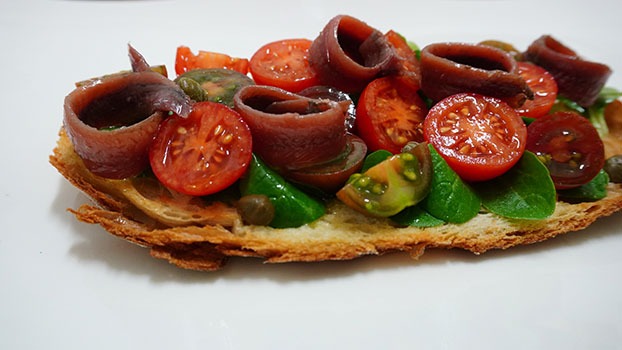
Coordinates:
(387,188)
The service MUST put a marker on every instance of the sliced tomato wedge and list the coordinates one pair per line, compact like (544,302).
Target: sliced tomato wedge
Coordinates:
(284,64)
(569,145)
(388,187)
(186,60)
(204,153)
(479,137)
(544,89)
(390,114)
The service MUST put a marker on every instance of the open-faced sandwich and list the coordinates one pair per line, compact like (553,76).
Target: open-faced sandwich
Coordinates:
(351,144)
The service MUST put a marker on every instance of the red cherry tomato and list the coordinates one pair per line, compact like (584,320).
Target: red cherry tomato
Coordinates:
(390,113)
(480,137)
(185,61)
(569,145)
(544,89)
(284,64)
(203,153)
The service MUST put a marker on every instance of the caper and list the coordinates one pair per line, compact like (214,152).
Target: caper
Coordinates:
(256,209)
(613,168)
(193,89)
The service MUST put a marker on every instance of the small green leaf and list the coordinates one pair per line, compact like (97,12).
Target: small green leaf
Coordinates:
(524,192)
(594,190)
(596,112)
(450,198)
(292,207)
(416,216)
(375,158)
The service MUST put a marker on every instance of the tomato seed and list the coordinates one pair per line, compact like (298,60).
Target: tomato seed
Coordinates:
(445,129)
(218,130)
(226,139)
(466,149)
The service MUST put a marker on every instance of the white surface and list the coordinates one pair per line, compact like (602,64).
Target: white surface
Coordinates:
(68,285)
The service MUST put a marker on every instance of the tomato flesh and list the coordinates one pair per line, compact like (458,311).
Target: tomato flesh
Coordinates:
(544,89)
(284,64)
(390,114)
(390,186)
(204,153)
(569,145)
(479,137)
(186,60)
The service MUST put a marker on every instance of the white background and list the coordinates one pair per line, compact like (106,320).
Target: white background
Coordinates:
(68,285)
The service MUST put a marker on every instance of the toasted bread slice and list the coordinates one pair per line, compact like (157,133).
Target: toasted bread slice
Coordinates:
(218,233)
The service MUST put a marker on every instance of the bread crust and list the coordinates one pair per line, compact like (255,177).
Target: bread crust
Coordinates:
(342,234)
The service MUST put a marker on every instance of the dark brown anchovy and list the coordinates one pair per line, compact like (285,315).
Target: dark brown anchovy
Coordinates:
(451,68)
(112,121)
(348,54)
(577,79)
(138,62)
(292,131)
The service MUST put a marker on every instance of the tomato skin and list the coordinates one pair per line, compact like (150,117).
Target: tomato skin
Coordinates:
(331,176)
(480,137)
(186,60)
(390,113)
(284,64)
(543,86)
(569,145)
(204,153)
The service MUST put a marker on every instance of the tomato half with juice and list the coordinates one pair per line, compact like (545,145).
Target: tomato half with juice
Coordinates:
(569,145)
(186,60)
(479,137)
(390,114)
(284,64)
(204,153)
(544,89)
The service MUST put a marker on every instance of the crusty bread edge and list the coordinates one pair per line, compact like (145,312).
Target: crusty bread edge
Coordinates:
(340,235)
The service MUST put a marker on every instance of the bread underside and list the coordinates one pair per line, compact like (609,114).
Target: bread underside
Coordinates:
(341,234)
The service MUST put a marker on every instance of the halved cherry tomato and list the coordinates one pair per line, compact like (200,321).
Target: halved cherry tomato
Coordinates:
(480,137)
(213,84)
(569,145)
(331,176)
(284,64)
(204,153)
(388,187)
(544,89)
(390,113)
(186,61)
